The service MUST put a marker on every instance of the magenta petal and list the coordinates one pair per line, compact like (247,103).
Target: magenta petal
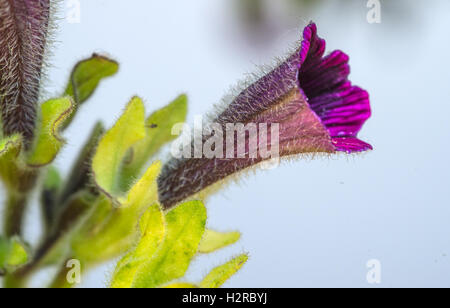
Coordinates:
(350,145)
(343,108)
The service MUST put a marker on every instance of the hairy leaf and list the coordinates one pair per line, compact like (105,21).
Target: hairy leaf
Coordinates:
(48,141)
(115,145)
(152,228)
(86,77)
(185,226)
(10,148)
(159,131)
(9,144)
(145,191)
(110,231)
(219,275)
(213,240)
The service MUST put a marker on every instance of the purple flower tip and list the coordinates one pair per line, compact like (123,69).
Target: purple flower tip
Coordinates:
(342,107)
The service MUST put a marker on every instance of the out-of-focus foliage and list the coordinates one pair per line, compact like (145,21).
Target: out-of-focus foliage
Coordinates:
(12,254)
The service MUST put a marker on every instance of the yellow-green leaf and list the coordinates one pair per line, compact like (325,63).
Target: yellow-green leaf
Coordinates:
(18,254)
(85,78)
(110,231)
(152,227)
(114,146)
(48,141)
(185,226)
(87,75)
(12,254)
(213,240)
(219,275)
(9,143)
(10,148)
(159,131)
(145,191)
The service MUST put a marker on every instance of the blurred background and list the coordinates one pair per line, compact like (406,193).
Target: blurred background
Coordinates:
(313,223)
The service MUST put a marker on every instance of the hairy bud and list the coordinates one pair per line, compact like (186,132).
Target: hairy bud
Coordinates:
(23,32)
(308,95)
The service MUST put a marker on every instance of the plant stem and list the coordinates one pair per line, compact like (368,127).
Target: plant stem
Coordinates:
(14,212)
(60,281)
(18,279)
(17,201)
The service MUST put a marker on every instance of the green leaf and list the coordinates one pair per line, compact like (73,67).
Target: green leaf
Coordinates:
(12,254)
(213,240)
(87,75)
(185,226)
(219,275)
(159,132)
(110,231)
(10,148)
(152,228)
(9,143)
(48,142)
(114,146)
(53,178)
(145,191)
(17,255)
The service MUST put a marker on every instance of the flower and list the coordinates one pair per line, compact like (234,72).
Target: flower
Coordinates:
(308,96)
(341,107)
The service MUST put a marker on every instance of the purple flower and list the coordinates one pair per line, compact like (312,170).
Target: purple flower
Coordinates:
(23,33)
(311,99)
(341,107)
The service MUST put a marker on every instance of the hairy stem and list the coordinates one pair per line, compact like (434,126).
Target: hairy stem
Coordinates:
(14,211)
(17,201)
(60,281)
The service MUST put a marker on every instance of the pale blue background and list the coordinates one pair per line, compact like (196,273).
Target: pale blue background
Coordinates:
(309,222)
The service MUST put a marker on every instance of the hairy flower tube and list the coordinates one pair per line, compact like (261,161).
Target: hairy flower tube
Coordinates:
(308,96)
(23,33)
